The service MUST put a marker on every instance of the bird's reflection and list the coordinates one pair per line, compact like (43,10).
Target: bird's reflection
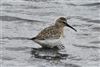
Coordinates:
(48,53)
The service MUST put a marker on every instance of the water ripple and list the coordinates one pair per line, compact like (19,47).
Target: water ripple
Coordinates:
(95,42)
(48,54)
(7,58)
(16,38)
(17,48)
(11,18)
(87,19)
(96,47)
(6,4)
(38,0)
(96,29)
(71,4)
(94,21)
(84,34)
(91,4)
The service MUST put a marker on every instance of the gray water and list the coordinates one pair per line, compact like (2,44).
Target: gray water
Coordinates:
(24,19)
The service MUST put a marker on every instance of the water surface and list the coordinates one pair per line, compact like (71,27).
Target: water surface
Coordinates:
(23,19)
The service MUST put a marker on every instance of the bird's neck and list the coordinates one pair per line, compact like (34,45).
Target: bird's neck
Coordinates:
(61,30)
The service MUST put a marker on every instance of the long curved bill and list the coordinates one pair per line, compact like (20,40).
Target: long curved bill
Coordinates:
(71,27)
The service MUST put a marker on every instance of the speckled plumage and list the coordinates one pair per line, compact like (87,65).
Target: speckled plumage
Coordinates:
(52,35)
(51,32)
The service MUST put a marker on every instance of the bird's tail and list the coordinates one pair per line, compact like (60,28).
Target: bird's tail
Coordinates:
(33,38)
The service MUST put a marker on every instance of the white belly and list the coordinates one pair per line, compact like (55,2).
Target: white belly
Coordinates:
(50,42)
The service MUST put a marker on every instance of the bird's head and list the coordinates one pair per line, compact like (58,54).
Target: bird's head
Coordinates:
(62,22)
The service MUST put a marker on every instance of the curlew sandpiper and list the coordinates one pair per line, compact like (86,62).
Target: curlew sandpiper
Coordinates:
(52,35)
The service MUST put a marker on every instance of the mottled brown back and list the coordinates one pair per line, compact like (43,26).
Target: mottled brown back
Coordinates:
(51,32)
